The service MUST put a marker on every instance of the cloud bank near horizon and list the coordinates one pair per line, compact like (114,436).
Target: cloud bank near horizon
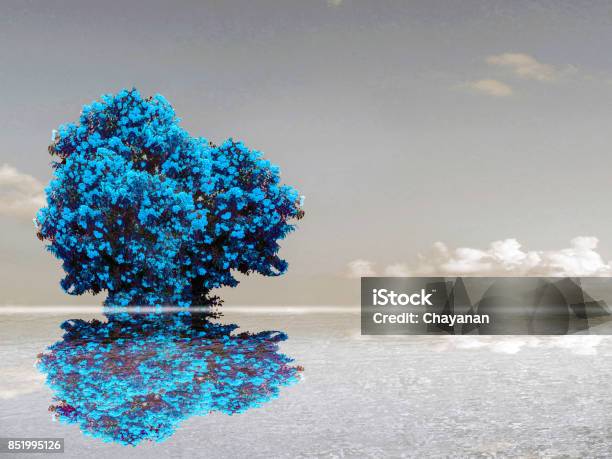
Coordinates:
(502,258)
(21,195)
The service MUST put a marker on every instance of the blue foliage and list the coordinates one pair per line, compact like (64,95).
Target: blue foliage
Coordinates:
(140,209)
(136,378)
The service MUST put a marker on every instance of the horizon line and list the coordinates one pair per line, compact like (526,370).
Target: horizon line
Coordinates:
(97,309)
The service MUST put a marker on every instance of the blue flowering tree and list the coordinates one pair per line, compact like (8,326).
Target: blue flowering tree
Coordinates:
(140,209)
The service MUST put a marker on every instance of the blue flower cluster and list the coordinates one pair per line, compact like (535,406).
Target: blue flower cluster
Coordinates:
(140,209)
(135,378)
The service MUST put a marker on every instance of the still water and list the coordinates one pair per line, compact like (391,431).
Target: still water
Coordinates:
(297,382)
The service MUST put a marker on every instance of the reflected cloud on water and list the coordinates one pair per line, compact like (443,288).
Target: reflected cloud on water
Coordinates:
(136,377)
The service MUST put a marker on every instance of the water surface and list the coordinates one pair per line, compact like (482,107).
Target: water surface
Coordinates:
(411,396)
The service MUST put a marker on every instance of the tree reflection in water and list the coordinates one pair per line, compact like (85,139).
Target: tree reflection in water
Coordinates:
(136,377)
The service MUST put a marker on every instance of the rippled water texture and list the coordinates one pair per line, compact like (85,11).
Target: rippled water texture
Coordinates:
(427,396)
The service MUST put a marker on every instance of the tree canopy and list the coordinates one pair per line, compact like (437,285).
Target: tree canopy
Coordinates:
(140,209)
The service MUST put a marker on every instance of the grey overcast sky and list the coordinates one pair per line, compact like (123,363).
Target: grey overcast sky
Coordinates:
(402,122)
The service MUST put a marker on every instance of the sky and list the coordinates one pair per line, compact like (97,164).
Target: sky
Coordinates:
(427,136)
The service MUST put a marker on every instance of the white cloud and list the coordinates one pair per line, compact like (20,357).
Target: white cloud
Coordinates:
(398,270)
(360,268)
(524,65)
(334,3)
(21,195)
(491,87)
(507,258)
